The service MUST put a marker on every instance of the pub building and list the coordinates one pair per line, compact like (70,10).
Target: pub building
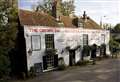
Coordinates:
(43,39)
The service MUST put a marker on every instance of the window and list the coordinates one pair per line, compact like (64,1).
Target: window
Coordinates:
(80,24)
(103,38)
(85,39)
(36,42)
(49,41)
(50,61)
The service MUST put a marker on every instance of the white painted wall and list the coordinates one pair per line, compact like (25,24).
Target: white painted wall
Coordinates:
(63,37)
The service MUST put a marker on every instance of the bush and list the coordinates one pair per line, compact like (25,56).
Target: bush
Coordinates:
(61,64)
(50,51)
(86,50)
(3,81)
(103,50)
(32,72)
(22,75)
(82,62)
(4,66)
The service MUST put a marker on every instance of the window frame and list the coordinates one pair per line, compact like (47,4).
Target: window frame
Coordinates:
(46,43)
(50,61)
(80,23)
(32,43)
(85,37)
(103,37)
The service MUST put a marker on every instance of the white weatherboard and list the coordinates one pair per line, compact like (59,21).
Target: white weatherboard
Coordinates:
(63,37)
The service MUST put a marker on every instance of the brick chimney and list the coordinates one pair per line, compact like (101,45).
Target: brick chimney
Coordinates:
(54,8)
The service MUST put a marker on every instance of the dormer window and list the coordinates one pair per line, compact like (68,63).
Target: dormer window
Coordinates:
(80,24)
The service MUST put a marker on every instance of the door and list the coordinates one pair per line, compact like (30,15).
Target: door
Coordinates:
(71,57)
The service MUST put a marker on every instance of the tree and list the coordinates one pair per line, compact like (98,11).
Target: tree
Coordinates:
(45,7)
(65,8)
(107,26)
(114,45)
(117,28)
(8,24)
(115,40)
(116,32)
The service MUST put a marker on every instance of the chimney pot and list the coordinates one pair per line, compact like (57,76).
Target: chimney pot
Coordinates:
(84,15)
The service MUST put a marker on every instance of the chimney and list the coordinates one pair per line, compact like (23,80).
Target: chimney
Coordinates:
(56,11)
(54,8)
(85,16)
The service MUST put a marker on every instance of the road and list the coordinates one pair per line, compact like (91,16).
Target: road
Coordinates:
(107,70)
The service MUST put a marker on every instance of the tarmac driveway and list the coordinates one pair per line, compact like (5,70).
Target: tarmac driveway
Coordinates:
(107,70)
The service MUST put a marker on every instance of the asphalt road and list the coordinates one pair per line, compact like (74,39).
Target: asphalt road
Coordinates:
(107,70)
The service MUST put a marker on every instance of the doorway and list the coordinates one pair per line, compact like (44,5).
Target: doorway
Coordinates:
(71,57)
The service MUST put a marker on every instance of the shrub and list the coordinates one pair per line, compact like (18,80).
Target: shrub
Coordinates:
(23,75)
(50,51)
(4,66)
(93,50)
(82,62)
(61,64)
(103,50)
(86,50)
(3,81)
(32,72)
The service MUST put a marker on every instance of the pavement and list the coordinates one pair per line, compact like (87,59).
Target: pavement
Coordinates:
(106,70)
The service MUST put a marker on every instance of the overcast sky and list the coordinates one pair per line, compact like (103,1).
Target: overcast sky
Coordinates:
(107,10)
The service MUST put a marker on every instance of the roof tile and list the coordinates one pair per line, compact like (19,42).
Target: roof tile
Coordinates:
(43,19)
(36,18)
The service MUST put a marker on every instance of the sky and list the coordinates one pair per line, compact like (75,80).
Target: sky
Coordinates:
(107,11)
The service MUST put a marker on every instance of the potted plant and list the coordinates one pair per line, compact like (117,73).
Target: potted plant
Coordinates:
(103,50)
(61,64)
(86,52)
(50,51)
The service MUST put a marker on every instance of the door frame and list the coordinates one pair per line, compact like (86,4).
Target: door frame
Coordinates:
(71,57)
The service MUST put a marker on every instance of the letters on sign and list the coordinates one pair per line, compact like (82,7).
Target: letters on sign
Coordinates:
(61,30)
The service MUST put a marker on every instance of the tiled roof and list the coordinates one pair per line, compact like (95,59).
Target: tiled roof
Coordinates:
(90,24)
(42,19)
(67,21)
(36,18)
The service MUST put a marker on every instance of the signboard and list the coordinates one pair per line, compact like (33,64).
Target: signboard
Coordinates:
(64,30)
